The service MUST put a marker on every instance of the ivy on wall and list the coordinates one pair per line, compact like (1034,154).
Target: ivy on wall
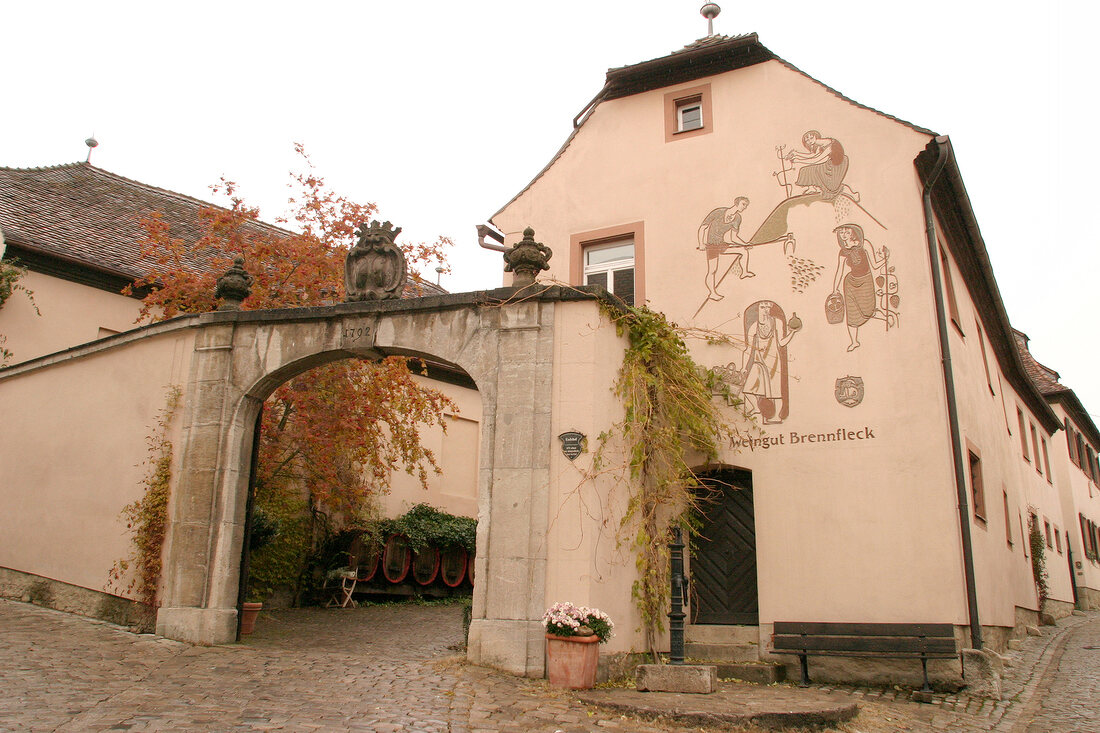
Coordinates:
(147,518)
(1037,545)
(670,424)
(10,275)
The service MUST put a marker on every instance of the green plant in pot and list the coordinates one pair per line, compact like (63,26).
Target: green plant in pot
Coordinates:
(264,529)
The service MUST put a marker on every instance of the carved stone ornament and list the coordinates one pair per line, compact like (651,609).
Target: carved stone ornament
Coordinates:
(233,287)
(527,258)
(375,267)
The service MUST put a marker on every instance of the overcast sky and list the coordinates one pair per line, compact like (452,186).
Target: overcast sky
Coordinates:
(440,111)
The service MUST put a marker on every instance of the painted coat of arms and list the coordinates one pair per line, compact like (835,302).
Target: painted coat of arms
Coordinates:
(849,391)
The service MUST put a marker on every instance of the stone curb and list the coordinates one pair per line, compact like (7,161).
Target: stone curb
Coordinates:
(822,715)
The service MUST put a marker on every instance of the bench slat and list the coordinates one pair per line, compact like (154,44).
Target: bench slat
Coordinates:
(865,644)
(946,631)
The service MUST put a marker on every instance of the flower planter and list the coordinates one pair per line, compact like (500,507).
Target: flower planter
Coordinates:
(249,612)
(572,660)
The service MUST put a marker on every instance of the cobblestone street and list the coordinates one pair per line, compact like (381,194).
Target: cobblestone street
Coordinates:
(394,668)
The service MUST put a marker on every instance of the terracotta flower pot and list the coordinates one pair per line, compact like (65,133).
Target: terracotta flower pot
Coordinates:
(249,612)
(572,660)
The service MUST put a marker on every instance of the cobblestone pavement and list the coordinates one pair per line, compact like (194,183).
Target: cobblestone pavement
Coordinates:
(1068,696)
(392,668)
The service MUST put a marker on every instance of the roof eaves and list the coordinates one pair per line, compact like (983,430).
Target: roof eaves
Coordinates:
(952,205)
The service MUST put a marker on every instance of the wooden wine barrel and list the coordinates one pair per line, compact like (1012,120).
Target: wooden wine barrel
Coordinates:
(453,566)
(396,558)
(425,565)
(470,568)
(368,560)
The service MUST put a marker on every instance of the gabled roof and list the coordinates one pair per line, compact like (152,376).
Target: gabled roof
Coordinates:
(704,57)
(84,223)
(1046,380)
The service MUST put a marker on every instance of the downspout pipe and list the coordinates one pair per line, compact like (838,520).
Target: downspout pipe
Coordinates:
(943,147)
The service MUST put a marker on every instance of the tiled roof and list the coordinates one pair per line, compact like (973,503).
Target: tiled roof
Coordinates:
(1045,378)
(1046,381)
(77,211)
(83,213)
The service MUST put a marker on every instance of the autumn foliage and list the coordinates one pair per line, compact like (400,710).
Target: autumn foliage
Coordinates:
(340,429)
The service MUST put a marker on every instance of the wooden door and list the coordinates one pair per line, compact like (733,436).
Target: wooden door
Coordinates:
(723,560)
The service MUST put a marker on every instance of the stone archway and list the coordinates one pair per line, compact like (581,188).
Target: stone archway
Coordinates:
(238,360)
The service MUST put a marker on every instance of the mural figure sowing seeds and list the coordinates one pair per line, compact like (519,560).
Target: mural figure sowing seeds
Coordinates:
(856,269)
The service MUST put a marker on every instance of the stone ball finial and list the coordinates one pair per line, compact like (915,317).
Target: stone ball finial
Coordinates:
(234,286)
(527,258)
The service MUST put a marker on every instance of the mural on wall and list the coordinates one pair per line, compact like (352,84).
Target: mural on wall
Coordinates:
(821,167)
(864,286)
(762,379)
(848,390)
(720,235)
(818,211)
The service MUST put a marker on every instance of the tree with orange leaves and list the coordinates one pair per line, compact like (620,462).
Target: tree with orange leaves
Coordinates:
(338,430)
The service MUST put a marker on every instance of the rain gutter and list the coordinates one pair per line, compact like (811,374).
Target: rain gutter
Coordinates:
(943,147)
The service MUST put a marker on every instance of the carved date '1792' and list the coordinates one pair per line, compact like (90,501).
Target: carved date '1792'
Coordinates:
(359,334)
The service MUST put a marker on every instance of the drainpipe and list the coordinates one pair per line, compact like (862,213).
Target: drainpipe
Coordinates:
(486,231)
(943,147)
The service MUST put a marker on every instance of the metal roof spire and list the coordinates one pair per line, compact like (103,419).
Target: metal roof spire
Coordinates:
(91,143)
(710,11)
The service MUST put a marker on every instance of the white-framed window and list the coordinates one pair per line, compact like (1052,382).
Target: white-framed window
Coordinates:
(689,114)
(612,266)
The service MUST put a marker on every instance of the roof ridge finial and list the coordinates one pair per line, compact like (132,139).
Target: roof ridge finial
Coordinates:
(91,143)
(710,11)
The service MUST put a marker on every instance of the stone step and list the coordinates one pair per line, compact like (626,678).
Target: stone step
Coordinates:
(715,652)
(761,673)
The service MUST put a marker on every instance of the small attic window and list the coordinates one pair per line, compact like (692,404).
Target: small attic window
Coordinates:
(688,113)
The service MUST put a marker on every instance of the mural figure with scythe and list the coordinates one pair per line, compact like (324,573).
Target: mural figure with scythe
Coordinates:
(720,234)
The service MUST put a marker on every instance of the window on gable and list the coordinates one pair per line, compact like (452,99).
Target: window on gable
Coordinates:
(1035,446)
(977,490)
(1023,433)
(688,113)
(1084,534)
(1058,540)
(612,266)
(613,257)
(985,360)
(1070,443)
(1046,530)
(1046,462)
(1023,534)
(949,289)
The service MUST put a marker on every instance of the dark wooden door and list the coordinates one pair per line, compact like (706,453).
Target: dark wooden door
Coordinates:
(723,560)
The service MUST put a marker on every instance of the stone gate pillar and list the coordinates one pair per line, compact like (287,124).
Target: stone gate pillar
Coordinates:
(205,522)
(510,568)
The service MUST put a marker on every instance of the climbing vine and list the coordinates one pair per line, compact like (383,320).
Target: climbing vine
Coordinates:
(669,424)
(1038,560)
(147,518)
(10,275)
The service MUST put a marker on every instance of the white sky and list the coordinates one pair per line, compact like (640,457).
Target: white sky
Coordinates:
(440,111)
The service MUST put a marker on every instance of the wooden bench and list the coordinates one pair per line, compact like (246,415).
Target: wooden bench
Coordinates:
(904,641)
